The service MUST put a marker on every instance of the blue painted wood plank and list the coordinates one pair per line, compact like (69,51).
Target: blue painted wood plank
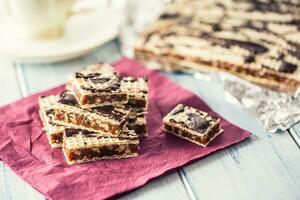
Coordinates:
(11,186)
(295,133)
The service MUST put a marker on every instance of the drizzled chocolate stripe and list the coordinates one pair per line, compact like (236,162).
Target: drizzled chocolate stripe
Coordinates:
(169,16)
(49,112)
(287,67)
(282,7)
(148,36)
(224,42)
(194,122)
(67,98)
(197,123)
(110,112)
(72,132)
(263,27)
(227,43)
(87,76)
(113,86)
(94,77)
(178,110)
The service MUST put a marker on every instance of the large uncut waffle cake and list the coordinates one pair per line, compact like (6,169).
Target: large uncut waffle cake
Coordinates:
(258,41)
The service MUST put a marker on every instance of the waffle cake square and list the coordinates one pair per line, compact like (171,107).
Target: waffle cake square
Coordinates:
(193,125)
(136,122)
(53,131)
(97,85)
(105,119)
(255,40)
(82,146)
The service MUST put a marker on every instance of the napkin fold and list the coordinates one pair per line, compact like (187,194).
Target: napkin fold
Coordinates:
(25,149)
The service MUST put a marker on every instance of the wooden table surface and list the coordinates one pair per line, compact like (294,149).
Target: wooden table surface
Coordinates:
(267,166)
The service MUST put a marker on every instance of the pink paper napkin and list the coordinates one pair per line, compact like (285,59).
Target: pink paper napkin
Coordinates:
(25,149)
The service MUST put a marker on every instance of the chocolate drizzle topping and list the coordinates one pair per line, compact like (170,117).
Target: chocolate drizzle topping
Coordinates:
(94,77)
(111,87)
(227,43)
(169,16)
(249,59)
(87,76)
(148,36)
(110,112)
(67,98)
(287,67)
(99,80)
(132,80)
(216,27)
(178,110)
(49,112)
(71,132)
(197,123)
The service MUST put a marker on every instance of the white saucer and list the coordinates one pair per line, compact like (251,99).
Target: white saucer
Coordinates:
(83,33)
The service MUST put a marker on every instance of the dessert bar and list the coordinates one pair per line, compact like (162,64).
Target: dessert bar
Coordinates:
(192,125)
(137,88)
(84,146)
(255,40)
(105,119)
(53,131)
(136,122)
(94,88)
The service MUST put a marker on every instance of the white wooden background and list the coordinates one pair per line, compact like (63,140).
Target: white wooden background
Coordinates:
(267,166)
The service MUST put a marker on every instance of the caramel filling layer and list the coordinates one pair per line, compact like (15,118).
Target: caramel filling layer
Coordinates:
(198,139)
(103,151)
(57,138)
(263,73)
(82,121)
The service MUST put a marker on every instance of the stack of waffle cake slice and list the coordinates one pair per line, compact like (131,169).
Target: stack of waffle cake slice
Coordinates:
(100,115)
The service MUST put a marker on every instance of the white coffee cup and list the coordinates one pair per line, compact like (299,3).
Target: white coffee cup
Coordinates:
(37,19)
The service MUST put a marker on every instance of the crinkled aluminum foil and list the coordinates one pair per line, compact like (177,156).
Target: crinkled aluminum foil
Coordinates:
(276,111)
